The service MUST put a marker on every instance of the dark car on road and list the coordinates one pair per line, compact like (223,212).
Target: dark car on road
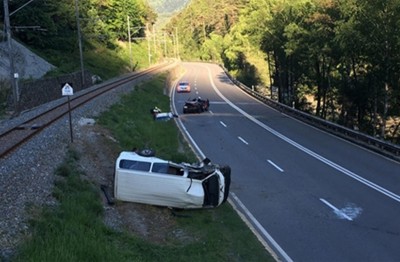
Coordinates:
(196,105)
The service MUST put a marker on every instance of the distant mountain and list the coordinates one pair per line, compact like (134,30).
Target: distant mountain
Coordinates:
(166,9)
(167,6)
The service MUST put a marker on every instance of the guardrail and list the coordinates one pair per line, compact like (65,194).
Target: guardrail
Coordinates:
(377,145)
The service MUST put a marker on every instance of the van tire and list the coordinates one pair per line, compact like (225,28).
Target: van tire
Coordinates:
(147,152)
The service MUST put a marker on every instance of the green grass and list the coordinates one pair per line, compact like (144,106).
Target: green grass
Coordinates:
(74,231)
(99,60)
(133,126)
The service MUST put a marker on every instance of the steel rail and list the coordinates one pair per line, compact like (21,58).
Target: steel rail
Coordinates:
(16,136)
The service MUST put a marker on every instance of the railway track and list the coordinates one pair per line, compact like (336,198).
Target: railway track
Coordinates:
(13,138)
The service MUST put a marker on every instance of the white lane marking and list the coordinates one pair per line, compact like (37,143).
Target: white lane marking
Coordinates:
(275,165)
(201,156)
(306,150)
(337,211)
(211,112)
(351,210)
(218,103)
(244,141)
(262,229)
(183,128)
(222,123)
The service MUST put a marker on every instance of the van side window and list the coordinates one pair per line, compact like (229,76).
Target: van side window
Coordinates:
(160,168)
(134,165)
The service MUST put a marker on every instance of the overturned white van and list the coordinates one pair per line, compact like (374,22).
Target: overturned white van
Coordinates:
(143,178)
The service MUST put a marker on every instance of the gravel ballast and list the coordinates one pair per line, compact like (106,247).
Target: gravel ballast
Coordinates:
(27,174)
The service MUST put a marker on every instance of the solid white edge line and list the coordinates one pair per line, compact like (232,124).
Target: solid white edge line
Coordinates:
(200,156)
(262,230)
(336,209)
(306,150)
(275,165)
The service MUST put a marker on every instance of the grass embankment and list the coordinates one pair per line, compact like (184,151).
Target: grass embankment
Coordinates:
(74,231)
(100,60)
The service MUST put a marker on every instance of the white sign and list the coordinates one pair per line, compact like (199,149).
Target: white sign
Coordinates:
(67,90)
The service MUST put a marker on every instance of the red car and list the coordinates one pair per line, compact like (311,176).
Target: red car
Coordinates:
(183,87)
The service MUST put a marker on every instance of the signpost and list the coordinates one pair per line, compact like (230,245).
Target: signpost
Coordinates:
(68,91)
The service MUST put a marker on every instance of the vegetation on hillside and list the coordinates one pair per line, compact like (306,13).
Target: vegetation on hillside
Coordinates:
(339,60)
(51,29)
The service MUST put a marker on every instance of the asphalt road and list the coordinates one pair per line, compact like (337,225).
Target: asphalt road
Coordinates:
(310,195)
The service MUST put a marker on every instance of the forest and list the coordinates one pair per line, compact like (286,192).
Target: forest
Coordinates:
(337,59)
(51,24)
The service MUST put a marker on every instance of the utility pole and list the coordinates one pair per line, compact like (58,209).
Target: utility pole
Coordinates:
(147,38)
(154,39)
(13,74)
(130,44)
(177,43)
(165,46)
(78,26)
(174,44)
(148,43)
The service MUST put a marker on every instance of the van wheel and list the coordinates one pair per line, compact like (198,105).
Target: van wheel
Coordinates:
(147,152)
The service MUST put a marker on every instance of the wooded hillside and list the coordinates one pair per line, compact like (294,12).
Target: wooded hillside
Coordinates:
(52,23)
(337,59)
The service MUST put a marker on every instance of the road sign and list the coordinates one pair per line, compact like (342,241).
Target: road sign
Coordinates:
(67,90)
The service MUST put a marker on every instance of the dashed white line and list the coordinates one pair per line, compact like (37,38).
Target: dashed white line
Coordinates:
(244,141)
(337,211)
(275,165)
(332,164)
(222,123)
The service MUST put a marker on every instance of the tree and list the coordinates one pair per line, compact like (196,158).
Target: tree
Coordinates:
(101,20)
(369,38)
